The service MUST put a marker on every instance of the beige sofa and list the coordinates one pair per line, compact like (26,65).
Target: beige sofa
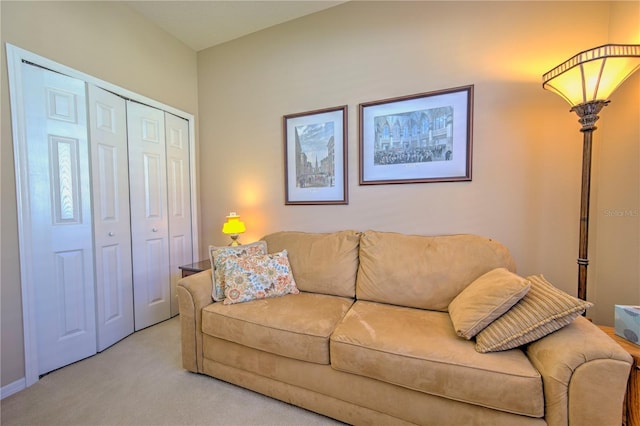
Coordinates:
(369,340)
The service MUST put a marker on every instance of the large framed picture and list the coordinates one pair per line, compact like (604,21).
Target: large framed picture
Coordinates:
(425,137)
(315,157)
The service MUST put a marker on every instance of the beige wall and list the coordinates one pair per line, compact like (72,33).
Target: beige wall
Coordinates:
(615,213)
(105,40)
(527,146)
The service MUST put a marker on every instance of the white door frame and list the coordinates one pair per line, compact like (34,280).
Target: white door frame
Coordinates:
(15,57)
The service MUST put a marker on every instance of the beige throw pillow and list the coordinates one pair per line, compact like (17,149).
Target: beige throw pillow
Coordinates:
(543,310)
(485,299)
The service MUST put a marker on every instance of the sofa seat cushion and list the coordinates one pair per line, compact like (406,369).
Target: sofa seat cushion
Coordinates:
(295,325)
(420,350)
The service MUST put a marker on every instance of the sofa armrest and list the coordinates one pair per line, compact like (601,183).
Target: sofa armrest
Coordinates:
(194,293)
(584,374)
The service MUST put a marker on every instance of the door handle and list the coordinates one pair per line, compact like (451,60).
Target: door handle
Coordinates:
(155,229)
(111,234)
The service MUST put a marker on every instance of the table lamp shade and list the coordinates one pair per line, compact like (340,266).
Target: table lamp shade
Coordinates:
(594,74)
(233,225)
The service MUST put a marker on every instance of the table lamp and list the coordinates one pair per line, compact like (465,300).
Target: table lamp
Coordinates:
(233,227)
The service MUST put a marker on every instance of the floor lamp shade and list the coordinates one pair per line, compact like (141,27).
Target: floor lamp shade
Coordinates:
(586,81)
(593,75)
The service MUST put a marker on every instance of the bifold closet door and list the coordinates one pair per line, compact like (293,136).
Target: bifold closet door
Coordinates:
(111,221)
(55,191)
(149,218)
(104,203)
(179,197)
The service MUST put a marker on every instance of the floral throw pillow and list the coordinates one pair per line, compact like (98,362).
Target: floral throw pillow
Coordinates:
(218,255)
(257,277)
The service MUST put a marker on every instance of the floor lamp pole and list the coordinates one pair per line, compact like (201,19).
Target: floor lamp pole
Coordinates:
(588,113)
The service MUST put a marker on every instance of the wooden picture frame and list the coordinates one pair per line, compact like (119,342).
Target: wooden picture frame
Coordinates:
(426,137)
(315,157)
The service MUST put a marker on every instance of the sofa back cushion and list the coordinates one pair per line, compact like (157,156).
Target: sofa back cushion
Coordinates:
(424,272)
(324,263)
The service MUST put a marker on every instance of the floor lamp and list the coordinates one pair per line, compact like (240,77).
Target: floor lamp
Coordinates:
(586,81)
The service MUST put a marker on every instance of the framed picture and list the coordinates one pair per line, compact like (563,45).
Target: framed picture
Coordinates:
(418,138)
(315,157)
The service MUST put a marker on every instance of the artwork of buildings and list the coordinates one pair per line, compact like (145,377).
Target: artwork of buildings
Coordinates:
(414,137)
(315,155)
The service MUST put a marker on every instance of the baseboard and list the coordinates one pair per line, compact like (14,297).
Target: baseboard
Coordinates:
(12,388)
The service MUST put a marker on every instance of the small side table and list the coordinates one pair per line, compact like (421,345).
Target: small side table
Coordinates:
(194,268)
(632,399)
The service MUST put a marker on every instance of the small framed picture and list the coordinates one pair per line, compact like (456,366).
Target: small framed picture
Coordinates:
(425,137)
(315,157)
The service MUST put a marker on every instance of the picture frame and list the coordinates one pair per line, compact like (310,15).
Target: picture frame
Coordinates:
(426,137)
(315,157)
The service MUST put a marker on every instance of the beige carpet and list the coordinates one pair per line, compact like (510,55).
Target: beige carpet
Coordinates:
(140,381)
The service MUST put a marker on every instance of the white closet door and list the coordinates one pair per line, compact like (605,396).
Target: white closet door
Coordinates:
(58,232)
(149,223)
(111,222)
(179,197)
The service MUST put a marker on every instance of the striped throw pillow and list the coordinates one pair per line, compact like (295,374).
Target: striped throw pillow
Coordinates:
(543,310)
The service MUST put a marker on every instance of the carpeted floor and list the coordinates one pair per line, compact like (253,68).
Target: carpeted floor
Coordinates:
(140,381)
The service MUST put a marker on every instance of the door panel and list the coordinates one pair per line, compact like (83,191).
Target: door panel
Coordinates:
(179,200)
(154,196)
(63,162)
(112,232)
(70,292)
(59,231)
(149,222)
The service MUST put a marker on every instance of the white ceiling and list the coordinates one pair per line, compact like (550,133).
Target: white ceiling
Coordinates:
(202,24)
